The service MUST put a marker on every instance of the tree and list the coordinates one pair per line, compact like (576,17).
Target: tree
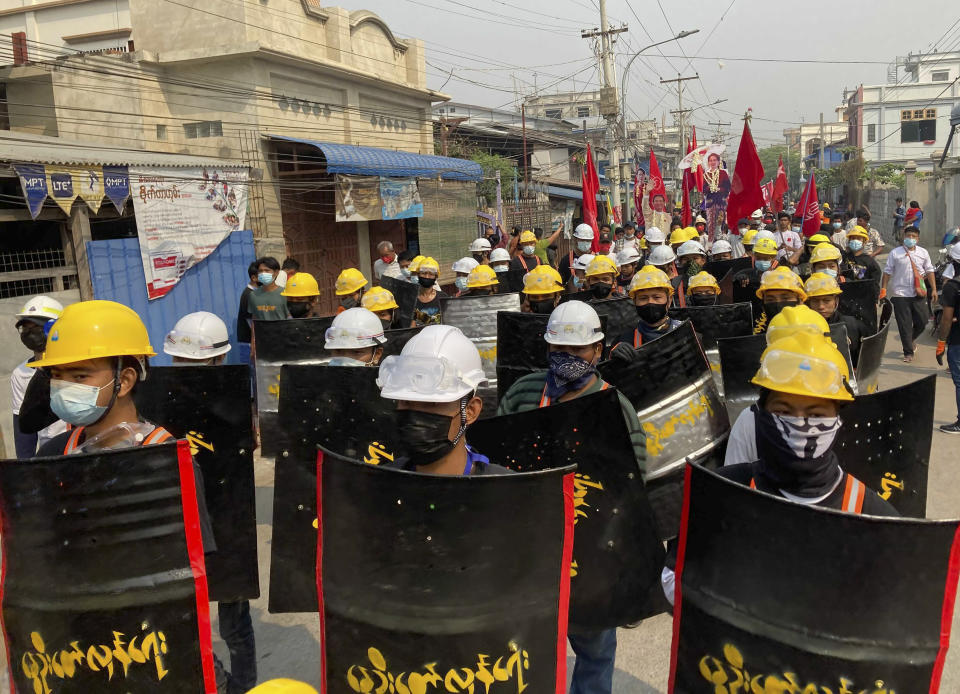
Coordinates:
(770,157)
(492,163)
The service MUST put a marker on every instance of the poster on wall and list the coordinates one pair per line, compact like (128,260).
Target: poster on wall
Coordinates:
(182,216)
(358,198)
(401,198)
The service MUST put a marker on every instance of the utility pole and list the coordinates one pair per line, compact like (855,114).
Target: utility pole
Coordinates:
(447,126)
(682,135)
(821,141)
(609,103)
(719,136)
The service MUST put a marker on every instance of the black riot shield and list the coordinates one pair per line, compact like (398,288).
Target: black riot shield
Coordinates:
(104,587)
(426,583)
(859,299)
(722,320)
(340,408)
(520,347)
(617,555)
(619,316)
(671,386)
(510,281)
(720,268)
(405,294)
(770,590)
(476,316)
(277,343)
(210,407)
(396,339)
(871,352)
(726,289)
(885,442)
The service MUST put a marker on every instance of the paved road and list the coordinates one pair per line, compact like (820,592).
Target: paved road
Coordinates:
(288,644)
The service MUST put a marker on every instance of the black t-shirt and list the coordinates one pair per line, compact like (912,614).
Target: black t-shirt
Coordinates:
(525,263)
(862,267)
(243,317)
(856,331)
(564,268)
(428,313)
(950,296)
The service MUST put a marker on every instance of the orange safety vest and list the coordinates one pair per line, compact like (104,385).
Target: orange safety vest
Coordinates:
(158,435)
(545,401)
(523,262)
(854,492)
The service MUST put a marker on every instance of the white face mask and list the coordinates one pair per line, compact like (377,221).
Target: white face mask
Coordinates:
(346,361)
(76,403)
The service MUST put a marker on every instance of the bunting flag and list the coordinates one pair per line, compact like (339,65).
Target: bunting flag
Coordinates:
(780,186)
(745,193)
(590,186)
(810,208)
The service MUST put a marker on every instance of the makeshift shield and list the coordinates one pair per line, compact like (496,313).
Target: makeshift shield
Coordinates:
(726,288)
(210,407)
(722,320)
(339,408)
(885,442)
(426,583)
(859,299)
(768,587)
(396,339)
(720,268)
(511,280)
(476,316)
(670,385)
(405,294)
(104,588)
(520,347)
(871,353)
(283,342)
(617,555)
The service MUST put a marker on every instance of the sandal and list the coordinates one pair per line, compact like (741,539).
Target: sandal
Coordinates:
(908,358)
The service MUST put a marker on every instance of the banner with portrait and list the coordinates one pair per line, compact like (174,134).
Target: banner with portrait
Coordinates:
(357,198)
(400,198)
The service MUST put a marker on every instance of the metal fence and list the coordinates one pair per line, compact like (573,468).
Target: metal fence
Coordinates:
(25,273)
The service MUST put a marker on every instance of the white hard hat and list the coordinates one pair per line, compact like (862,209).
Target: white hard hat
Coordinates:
(691,248)
(614,259)
(654,235)
(630,254)
(954,251)
(42,308)
(699,220)
(581,261)
(479,245)
(464,265)
(764,234)
(757,214)
(499,255)
(584,232)
(573,324)
(661,255)
(355,328)
(438,364)
(721,246)
(200,335)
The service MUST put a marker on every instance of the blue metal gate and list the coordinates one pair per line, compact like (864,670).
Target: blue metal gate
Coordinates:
(214,285)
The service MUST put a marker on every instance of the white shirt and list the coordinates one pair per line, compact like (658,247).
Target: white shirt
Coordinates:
(900,265)
(281,279)
(840,238)
(790,240)
(742,443)
(381,268)
(19,380)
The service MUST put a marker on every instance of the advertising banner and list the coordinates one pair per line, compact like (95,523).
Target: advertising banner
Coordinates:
(182,216)
(400,198)
(116,185)
(33,181)
(66,183)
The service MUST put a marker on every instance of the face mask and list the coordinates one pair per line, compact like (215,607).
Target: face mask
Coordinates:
(577,282)
(348,302)
(567,372)
(461,283)
(909,243)
(346,361)
(34,340)
(703,299)
(795,452)
(529,250)
(426,282)
(501,268)
(386,259)
(772,308)
(544,306)
(651,313)
(795,229)
(387,323)
(584,246)
(763,265)
(479,257)
(298,309)
(605,248)
(76,403)
(855,244)
(836,225)
(405,271)
(601,291)
(265,278)
(829,271)
(425,436)
(741,230)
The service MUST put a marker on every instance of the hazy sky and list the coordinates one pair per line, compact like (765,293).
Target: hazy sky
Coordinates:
(488,43)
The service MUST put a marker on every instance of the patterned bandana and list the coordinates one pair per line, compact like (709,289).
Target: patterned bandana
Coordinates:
(567,372)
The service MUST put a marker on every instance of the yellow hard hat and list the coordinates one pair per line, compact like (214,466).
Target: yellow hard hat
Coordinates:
(691,233)
(781,278)
(825,251)
(528,237)
(95,329)
(749,235)
(349,281)
(804,364)
(378,299)
(650,277)
(482,276)
(678,236)
(643,243)
(821,284)
(858,231)
(415,263)
(283,686)
(818,238)
(601,265)
(702,279)
(302,284)
(541,280)
(429,264)
(765,246)
(793,319)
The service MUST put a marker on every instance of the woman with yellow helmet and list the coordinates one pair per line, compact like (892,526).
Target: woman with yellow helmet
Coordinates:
(779,288)
(823,296)
(860,265)
(427,310)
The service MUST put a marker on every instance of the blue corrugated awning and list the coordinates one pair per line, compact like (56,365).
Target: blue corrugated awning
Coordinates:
(373,161)
(569,193)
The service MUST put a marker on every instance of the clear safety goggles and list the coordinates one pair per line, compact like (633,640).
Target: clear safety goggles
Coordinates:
(572,333)
(816,375)
(428,376)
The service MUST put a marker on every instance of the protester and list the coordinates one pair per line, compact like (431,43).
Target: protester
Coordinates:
(349,288)
(823,296)
(244,317)
(404,262)
(703,290)
(578,282)
(748,240)
(33,320)
(289,268)
(630,238)
(860,265)
(543,247)
(383,305)
(480,251)
(427,309)
(899,214)
(826,259)
(779,288)
(604,242)
(721,250)
(355,338)
(913,216)
(789,240)
(267,302)
(691,258)
(500,260)
(462,269)
(542,290)
(601,277)
(483,281)
(198,339)
(948,335)
(874,244)
(654,237)
(907,267)
(582,243)
(302,293)
(627,264)
(650,292)
(527,259)
(764,253)
(386,262)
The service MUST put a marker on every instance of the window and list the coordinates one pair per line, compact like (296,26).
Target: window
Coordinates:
(583,111)
(206,128)
(872,133)
(918,125)
(161,132)
(940,75)
(553,113)
(452,110)
(4,113)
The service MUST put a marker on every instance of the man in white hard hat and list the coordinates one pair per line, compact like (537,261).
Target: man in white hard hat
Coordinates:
(627,261)
(480,251)
(355,338)
(721,250)
(654,238)
(691,257)
(575,340)
(434,381)
(33,323)
(578,282)
(500,260)
(582,243)
(462,269)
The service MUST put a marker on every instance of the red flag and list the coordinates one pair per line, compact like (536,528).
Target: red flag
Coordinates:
(698,171)
(745,194)
(686,216)
(767,189)
(810,208)
(656,186)
(590,185)
(780,187)
(638,180)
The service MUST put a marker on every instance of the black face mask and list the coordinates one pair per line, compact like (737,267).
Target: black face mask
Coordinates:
(425,436)
(347,302)
(34,340)
(703,299)
(772,308)
(387,323)
(601,291)
(298,309)
(651,313)
(426,282)
(545,306)
(479,257)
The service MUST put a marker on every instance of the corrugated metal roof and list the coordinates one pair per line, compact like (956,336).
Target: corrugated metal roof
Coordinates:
(373,161)
(43,149)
